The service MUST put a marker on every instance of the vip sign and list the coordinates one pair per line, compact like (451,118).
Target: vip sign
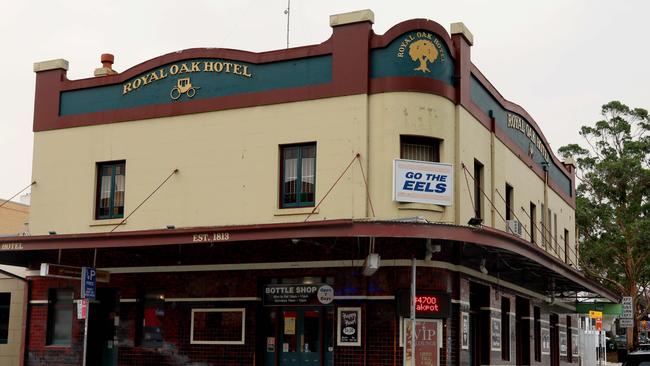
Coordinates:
(423,182)
(428,341)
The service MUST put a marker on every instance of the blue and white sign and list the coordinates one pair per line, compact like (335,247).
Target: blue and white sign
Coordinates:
(88,282)
(423,182)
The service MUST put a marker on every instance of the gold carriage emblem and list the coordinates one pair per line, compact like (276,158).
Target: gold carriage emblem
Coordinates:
(423,51)
(183,86)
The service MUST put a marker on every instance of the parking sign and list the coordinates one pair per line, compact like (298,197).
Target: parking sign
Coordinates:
(88,282)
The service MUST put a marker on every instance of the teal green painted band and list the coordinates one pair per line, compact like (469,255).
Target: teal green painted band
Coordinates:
(605,308)
(396,59)
(208,84)
(484,100)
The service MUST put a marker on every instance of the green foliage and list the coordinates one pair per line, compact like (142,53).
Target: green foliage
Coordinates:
(613,199)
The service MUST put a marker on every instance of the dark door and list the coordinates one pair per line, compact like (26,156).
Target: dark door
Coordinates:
(555,340)
(301,336)
(523,331)
(102,347)
(479,324)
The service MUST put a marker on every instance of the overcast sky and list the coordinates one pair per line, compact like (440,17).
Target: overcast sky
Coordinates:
(559,59)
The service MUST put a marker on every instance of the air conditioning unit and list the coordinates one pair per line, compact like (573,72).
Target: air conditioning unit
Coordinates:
(514,227)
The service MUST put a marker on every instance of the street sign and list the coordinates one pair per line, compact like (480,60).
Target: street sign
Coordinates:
(59,271)
(599,324)
(628,309)
(626,323)
(82,308)
(88,282)
(595,314)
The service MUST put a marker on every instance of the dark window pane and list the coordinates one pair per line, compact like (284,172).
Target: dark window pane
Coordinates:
(218,326)
(312,331)
(290,174)
(298,175)
(5,301)
(60,317)
(153,314)
(419,148)
(110,190)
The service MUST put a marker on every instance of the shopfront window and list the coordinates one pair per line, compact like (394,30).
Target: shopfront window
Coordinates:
(59,330)
(152,315)
(218,326)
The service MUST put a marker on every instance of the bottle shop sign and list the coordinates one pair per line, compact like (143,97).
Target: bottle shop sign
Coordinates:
(301,294)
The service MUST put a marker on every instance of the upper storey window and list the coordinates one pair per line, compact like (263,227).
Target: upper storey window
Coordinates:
(110,190)
(298,172)
(419,148)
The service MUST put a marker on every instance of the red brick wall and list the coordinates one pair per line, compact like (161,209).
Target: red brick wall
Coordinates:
(380,343)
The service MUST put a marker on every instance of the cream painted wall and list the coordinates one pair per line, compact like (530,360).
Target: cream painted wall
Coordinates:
(565,220)
(10,352)
(396,114)
(527,188)
(228,165)
(474,144)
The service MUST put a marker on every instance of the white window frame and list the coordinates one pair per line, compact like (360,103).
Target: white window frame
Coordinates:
(220,310)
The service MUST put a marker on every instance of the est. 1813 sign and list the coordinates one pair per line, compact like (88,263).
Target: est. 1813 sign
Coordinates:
(431,305)
(423,182)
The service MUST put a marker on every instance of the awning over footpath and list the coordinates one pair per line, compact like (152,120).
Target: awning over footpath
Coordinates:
(517,260)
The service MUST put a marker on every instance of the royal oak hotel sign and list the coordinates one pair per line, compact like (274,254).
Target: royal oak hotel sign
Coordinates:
(183,71)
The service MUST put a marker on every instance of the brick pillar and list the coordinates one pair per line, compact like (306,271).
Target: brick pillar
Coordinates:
(350,54)
(462,40)
(49,78)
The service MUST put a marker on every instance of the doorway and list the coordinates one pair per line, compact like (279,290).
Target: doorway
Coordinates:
(555,340)
(479,324)
(305,336)
(102,345)
(523,330)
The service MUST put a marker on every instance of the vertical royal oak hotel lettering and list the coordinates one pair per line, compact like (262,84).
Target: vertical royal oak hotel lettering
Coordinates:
(518,123)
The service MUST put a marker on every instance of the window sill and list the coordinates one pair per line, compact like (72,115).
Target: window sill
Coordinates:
(107,222)
(421,207)
(295,211)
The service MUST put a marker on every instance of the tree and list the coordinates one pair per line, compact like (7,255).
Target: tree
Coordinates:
(423,51)
(613,202)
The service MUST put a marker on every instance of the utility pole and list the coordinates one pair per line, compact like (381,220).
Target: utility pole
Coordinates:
(287,11)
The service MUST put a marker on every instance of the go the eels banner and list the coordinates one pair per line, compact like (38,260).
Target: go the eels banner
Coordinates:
(423,182)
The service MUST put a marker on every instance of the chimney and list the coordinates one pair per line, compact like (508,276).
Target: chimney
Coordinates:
(107,65)
(351,33)
(570,164)
(463,40)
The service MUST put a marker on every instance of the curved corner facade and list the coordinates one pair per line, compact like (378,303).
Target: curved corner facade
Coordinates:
(270,208)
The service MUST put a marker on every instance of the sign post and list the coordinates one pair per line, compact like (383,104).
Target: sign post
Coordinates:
(413,292)
(88,292)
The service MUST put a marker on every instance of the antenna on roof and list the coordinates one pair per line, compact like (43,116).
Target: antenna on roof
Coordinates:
(287,12)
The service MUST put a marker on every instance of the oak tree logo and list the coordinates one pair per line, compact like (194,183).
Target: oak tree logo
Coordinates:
(423,51)
(423,48)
